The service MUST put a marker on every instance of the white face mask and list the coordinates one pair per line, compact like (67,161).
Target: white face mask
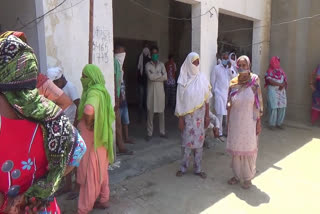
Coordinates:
(195,69)
(120,57)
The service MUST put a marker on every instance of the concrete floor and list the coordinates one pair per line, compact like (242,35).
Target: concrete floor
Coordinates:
(288,178)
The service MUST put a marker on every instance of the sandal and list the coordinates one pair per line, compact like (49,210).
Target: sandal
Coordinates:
(233,181)
(125,152)
(98,205)
(179,173)
(202,175)
(129,141)
(246,185)
(72,196)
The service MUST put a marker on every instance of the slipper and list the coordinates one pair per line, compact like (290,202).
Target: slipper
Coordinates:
(202,175)
(179,173)
(72,196)
(233,181)
(98,205)
(129,141)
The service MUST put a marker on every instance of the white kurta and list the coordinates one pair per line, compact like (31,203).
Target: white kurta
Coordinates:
(155,95)
(220,80)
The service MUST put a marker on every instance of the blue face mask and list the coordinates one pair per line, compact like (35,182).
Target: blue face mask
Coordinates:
(241,70)
(224,62)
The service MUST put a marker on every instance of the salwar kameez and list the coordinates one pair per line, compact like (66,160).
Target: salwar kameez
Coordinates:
(245,109)
(277,103)
(92,175)
(242,139)
(192,139)
(277,96)
(315,82)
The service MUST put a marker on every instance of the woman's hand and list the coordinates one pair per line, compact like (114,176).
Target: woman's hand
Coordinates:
(206,122)
(258,127)
(181,124)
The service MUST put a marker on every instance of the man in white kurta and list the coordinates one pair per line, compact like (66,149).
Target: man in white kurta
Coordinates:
(220,80)
(157,74)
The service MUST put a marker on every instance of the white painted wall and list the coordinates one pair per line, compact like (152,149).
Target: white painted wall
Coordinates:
(205,37)
(66,38)
(11,11)
(66,33)
(134,22)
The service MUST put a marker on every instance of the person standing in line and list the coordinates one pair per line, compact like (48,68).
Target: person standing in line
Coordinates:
(194,92)
(144,58)
(315,87)
(157,74)
(119,56)
(123,105)
(171,85)
(96,117)
(56,75)
(276,83)
(220,79)
(233,61)
(245,109)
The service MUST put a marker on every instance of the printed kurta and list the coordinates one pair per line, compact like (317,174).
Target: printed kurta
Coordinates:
(242,138)
(276,98)
(155,93)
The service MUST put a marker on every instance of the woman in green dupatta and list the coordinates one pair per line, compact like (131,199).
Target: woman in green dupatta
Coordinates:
(96,117)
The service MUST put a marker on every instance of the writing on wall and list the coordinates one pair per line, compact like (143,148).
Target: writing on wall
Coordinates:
(101,45)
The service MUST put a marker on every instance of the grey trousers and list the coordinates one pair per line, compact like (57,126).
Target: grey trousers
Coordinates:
(150,123)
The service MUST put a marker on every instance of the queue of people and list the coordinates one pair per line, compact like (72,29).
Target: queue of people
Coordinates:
(61,131)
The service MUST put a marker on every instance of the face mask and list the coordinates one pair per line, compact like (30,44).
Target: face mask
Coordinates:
(85,82)
(195,69)
(155,57)
(120,57)
(241,70)
(225,62)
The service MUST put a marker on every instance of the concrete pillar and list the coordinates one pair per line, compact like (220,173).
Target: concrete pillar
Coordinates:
(261,42)
(42,58)
(103,41)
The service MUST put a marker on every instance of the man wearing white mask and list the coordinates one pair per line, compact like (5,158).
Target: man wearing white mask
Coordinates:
(144,58)
(220,79)
(119,57)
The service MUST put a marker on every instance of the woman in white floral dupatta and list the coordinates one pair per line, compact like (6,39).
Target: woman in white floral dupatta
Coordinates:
(192,108)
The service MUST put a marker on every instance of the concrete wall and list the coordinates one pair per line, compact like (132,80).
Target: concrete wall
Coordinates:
(66,37)
(180,31)
(239,40)
(205,29)
(14,14)
(133,22)
(297,44)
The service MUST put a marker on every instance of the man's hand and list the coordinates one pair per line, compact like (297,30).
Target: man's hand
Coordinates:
(216,132)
